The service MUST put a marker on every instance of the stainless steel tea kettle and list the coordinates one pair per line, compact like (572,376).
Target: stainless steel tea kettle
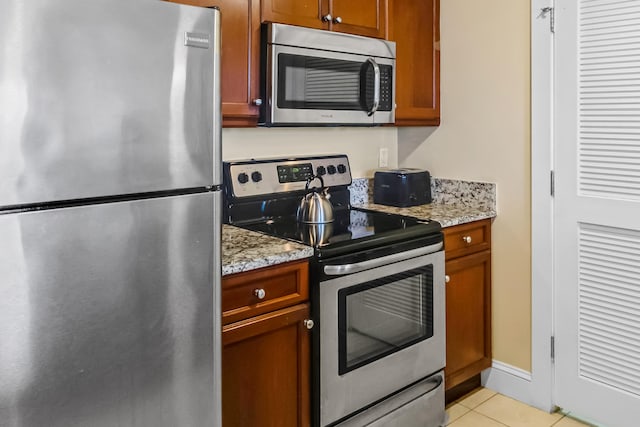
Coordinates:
(315,207)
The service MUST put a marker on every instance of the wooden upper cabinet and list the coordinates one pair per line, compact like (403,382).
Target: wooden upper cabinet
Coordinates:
(240,58)
(305,13)
(240,61)
(362,17)
(413,24)
(415,27)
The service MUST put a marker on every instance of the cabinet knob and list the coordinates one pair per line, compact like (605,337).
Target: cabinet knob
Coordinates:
(327,18)
(260,293)
(447,279)
(308,323)
(337,20)
(466,239)
(257,102)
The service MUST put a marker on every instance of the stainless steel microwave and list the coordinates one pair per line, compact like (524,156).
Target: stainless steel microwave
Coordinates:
(315,77)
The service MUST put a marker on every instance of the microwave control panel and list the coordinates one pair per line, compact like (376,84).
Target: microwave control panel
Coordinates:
(260,177)
(386,87)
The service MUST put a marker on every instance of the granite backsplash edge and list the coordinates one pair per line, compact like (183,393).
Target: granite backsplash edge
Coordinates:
(443,191)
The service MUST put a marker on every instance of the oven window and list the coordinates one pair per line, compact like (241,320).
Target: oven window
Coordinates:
(307,82)
(383,316)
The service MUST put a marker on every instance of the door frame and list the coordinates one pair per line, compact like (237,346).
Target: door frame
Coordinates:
(542,163)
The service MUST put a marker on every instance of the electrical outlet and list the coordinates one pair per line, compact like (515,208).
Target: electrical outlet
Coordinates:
(383,158)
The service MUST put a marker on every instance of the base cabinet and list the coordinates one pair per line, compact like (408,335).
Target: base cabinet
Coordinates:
(266,347)
(265,370)
(468,271)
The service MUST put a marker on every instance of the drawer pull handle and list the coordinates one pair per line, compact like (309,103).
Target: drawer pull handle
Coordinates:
(308,323)
(467,239)
(447,279)
(327,18)
(260,293)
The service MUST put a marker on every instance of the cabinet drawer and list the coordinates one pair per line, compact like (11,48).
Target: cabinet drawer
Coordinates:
(468,238)
(259,291)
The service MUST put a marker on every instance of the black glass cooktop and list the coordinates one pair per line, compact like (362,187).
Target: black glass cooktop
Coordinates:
(351,227)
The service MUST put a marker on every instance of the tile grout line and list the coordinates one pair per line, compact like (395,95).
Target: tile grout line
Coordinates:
(482,402)
(502,423)
(498,421)
(492,419)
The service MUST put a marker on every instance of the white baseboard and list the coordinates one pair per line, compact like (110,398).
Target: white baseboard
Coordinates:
(509,380)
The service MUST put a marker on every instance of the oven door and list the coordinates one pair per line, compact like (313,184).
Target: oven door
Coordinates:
(381,329)
(311,86)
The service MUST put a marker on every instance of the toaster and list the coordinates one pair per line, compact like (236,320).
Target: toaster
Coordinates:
(402,187)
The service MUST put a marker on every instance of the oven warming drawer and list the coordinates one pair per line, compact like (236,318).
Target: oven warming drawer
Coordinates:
(421,405)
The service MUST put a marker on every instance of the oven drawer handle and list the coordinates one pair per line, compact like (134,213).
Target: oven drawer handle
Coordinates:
(435,383)
(338,270)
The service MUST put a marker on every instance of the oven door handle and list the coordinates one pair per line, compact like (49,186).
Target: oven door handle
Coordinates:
(338,270)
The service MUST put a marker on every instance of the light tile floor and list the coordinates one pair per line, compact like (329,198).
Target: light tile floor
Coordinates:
(486,408)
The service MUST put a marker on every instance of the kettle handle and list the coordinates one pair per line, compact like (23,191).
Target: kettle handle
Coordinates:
(313,178)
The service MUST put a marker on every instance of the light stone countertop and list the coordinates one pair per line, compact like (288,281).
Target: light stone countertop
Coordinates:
(447,214)
(454,202)
(244,250)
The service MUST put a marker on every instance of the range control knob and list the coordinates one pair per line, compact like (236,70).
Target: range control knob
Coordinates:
(331,169)
(321,170)
(256,176)
(243,178)
(342,168)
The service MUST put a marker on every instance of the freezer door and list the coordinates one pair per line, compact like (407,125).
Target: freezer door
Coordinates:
(106,97)
(107,315)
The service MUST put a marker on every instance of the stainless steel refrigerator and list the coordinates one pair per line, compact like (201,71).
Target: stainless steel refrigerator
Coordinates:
(109,214)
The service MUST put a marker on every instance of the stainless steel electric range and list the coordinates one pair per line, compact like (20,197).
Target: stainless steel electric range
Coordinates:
(377,293)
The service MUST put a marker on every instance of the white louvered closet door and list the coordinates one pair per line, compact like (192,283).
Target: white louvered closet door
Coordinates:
(597,210)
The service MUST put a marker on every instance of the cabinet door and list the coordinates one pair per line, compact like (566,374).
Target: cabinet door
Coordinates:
(363,17)
(265,370)
(240,61)
(240,58)
(415,27)
(468,317)
(305,13)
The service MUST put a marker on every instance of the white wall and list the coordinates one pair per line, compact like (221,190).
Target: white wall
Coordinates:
(362,145)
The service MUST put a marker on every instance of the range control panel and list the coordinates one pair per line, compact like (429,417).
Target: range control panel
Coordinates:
(257,177)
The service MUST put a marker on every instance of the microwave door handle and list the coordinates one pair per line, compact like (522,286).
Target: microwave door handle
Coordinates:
(376,86)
